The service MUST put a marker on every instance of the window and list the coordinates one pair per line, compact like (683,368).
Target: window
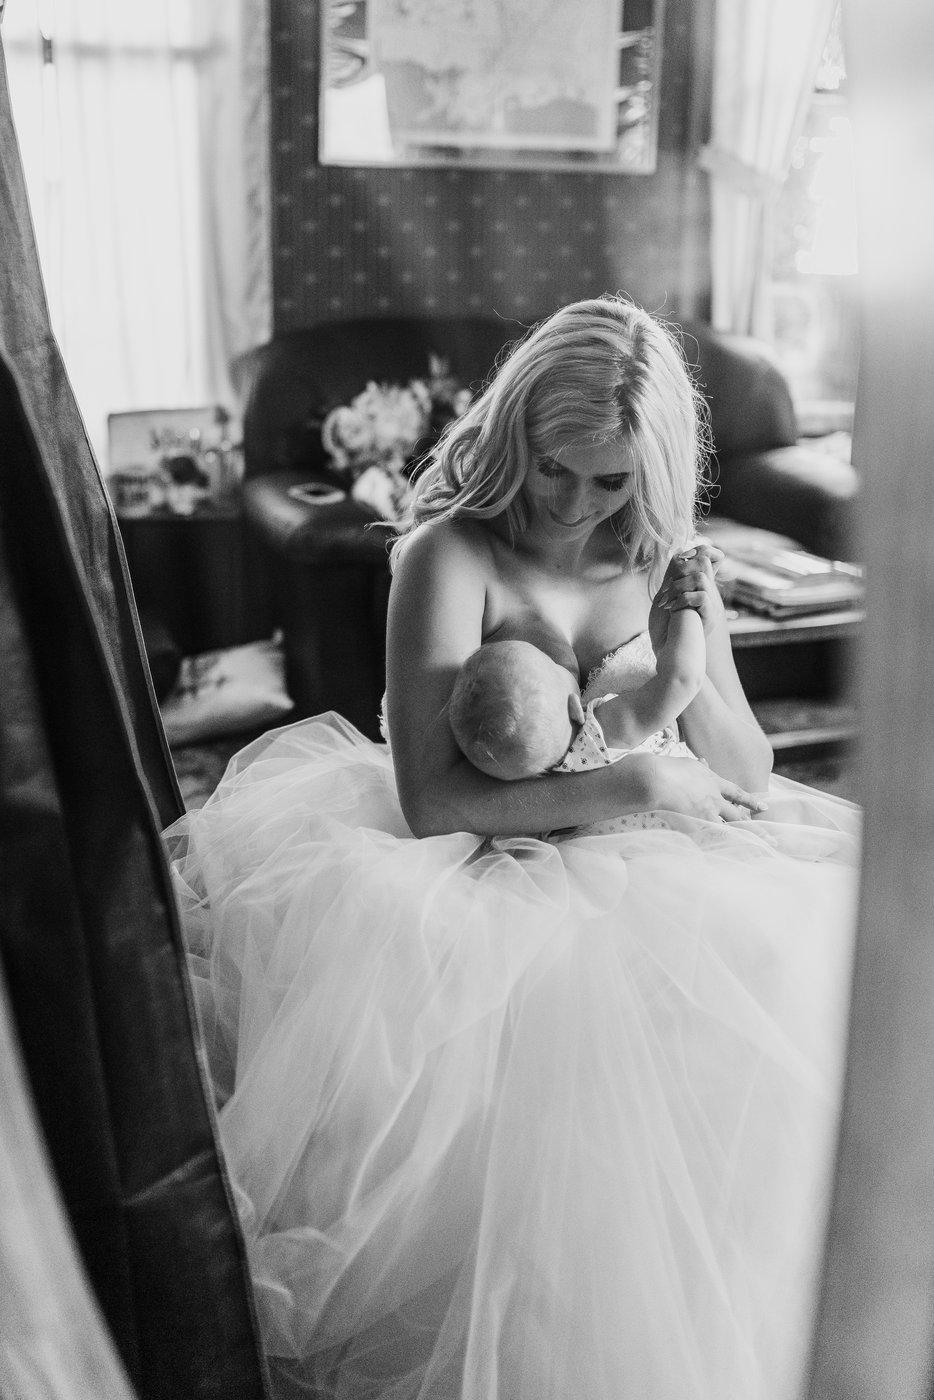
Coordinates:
(133,121)
(813,281)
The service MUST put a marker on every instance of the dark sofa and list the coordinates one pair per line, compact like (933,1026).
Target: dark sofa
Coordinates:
(328,571)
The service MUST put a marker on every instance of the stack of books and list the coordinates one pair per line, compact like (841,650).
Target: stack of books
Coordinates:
(774,575)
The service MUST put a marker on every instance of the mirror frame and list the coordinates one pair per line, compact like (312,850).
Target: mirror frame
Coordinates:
(355,98)
(874,1326)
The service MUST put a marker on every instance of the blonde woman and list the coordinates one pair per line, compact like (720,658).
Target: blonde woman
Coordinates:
(512,1118)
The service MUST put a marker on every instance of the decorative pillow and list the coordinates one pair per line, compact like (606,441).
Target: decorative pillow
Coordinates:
(226,692)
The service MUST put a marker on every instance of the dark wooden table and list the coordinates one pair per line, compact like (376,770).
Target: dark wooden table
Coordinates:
(199,575)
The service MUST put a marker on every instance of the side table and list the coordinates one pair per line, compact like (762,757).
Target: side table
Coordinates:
(199,574)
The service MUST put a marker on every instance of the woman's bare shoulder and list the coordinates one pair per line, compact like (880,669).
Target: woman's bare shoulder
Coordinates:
(451,545)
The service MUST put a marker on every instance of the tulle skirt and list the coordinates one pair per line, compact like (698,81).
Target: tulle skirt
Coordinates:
(519,1119)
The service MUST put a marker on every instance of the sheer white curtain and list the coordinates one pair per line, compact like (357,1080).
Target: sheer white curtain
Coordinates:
(143,129)
(766,54)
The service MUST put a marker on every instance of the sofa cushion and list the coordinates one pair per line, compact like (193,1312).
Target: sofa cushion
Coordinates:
(227,692)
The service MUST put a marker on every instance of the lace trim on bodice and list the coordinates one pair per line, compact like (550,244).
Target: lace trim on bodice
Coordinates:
(624,669)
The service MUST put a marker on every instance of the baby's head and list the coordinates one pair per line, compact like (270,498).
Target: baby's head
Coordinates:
(511,710)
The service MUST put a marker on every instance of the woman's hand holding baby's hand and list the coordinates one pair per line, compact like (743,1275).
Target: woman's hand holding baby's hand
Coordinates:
(689,582)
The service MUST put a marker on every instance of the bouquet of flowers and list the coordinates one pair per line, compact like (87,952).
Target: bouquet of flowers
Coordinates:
(375,439)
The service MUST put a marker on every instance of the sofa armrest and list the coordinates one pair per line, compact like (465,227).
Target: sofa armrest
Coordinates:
(318,535)
(795,491)
(751,408)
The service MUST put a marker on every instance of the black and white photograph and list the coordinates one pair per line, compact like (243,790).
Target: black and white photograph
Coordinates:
(466,725)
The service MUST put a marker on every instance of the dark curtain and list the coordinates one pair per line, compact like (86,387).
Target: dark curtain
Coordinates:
(89,939)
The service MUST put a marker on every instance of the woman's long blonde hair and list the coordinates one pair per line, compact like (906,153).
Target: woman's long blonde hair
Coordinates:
(601,370)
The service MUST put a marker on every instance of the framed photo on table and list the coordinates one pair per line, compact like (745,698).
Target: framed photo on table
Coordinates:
(497,83)
(170,460)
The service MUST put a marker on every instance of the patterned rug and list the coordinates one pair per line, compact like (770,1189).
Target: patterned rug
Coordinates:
(200,767)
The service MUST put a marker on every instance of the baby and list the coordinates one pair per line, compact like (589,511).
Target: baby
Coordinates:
(513,710)
(516,713)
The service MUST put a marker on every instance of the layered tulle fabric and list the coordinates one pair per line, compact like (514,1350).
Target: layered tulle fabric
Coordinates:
(517,1119)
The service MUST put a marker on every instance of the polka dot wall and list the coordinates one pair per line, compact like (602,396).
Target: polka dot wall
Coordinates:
(362,241)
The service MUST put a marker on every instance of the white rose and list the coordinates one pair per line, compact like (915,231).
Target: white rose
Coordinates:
(385,491)
(345,434)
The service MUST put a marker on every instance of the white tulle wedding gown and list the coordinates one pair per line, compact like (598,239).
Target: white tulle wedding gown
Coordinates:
(519,1119)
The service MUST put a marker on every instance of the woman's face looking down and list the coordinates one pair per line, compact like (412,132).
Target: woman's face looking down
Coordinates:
(569,494)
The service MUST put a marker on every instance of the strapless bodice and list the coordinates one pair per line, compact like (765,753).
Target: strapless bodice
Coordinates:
(624,669)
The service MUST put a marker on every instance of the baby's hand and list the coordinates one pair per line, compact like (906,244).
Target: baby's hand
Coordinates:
(690,582)
(703,549)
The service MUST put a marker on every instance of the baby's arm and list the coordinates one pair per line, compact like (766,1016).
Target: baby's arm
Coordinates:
(680,668)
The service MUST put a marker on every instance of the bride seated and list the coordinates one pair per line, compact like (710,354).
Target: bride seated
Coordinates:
(512,1117)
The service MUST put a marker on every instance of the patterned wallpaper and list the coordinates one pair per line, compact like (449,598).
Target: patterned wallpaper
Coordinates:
(350,242)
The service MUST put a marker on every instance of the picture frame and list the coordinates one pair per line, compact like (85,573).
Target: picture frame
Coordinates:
(170,461)
(518,84)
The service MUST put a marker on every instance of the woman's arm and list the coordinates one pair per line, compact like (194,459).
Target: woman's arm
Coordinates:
(436,611)
(718,724)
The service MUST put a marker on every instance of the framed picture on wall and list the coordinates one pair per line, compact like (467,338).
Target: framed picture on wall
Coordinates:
(497,83)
